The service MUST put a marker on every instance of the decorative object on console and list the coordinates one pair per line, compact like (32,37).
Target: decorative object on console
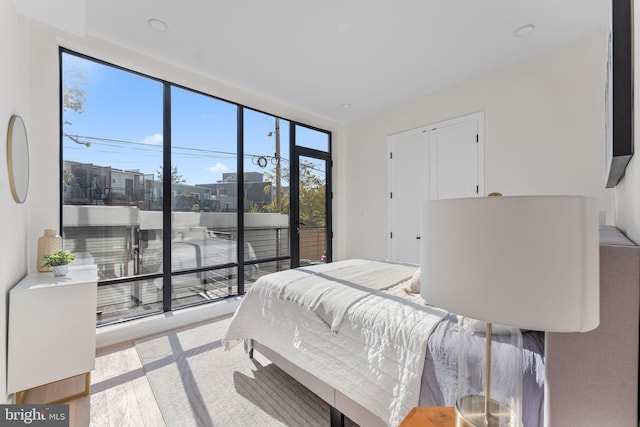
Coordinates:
(48,244)
(60,261)
(530,262)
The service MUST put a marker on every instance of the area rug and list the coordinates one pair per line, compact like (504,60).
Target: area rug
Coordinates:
(196,382)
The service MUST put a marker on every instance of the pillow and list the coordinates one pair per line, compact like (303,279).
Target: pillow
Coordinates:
(474,326)
(412,286)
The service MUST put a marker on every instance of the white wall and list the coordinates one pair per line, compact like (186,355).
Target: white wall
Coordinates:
(14,94)
(627,193)
(544,134)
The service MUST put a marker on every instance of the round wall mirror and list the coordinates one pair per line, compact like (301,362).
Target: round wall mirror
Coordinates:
(18,158)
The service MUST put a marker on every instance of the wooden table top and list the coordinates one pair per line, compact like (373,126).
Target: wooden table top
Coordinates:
(429,416)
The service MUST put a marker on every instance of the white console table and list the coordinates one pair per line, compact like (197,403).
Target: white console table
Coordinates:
(52,329)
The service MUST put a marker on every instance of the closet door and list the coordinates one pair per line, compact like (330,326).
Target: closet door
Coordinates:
(439,161)
(453,165)
(409,185)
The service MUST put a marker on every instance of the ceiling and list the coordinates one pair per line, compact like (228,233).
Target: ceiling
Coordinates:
(340,59)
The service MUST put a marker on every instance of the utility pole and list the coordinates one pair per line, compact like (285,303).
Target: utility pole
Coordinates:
(277,156)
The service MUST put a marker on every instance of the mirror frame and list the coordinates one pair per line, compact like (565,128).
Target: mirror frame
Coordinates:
(18,158)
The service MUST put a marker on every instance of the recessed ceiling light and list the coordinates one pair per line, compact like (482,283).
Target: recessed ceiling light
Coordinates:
(525,30)
(158,24)
(343,27)
(346,106)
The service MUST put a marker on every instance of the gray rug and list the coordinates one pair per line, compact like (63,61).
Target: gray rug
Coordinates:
(197,383)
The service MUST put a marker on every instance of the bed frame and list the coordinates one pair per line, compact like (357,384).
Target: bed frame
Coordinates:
(591,378)
(340,404)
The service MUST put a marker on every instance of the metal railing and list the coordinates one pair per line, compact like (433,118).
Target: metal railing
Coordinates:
(130,266)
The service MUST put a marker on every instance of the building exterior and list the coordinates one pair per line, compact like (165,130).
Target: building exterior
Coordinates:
(257,192)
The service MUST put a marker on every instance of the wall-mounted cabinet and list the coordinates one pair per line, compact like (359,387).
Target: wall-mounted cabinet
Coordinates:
(52,332)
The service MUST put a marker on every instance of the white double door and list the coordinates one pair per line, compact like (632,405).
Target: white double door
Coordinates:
(440,161)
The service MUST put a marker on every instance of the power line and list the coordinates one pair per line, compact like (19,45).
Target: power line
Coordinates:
(158,147)
(191,152)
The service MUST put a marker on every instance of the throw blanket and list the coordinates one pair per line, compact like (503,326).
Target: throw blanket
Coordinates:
(329,290)
(377,356)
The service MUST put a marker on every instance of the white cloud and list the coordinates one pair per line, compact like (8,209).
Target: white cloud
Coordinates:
(155,139)
(218,167)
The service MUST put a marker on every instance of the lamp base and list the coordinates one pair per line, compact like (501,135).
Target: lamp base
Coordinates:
(469,412)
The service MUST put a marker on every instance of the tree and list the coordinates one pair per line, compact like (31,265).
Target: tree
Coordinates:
(312,195)
(284,193)
(73,95)
(175,177)
(313,210)
(67,177)
(74,98)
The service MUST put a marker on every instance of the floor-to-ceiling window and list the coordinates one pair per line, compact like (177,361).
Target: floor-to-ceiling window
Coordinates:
(266,193)
(178,197)
(112,123)
(204,200)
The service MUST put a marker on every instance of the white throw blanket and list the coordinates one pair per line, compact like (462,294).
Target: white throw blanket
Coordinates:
(330,289)
(376,357)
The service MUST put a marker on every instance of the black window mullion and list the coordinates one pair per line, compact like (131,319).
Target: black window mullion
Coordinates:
(61,137)
(240,213)
(329,201)
(166,199)
(294,199)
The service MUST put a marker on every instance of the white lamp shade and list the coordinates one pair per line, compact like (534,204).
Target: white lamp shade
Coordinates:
(530,262)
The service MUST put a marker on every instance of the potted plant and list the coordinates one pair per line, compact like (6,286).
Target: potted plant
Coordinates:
(60,261)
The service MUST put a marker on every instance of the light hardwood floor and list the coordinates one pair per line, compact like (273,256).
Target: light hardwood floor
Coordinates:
(120,393)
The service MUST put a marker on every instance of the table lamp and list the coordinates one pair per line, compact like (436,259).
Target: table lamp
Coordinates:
(525,262)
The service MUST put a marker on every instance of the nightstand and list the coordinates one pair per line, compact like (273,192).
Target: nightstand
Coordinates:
(429,416)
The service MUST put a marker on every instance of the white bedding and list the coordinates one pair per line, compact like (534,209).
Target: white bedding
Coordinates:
(377,355)
(330,289)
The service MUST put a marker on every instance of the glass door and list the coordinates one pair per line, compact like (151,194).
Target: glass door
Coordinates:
(312,216)
(311,230)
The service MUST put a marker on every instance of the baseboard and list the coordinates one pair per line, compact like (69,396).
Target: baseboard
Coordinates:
(135,329)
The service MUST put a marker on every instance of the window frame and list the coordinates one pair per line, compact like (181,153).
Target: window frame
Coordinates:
(241,263)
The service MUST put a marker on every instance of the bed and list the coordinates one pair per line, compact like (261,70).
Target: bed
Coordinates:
(373,351)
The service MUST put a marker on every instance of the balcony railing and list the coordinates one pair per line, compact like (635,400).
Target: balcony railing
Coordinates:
(213,258)
(127,244)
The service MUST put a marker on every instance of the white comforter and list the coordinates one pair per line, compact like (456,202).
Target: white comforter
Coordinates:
(377,356)
(330,289)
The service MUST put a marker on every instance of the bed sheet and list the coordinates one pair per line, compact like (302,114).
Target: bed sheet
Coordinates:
(439,377)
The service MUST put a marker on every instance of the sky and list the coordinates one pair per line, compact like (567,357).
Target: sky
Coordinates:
(122,121)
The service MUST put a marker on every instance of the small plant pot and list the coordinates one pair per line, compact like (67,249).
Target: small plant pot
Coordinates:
(60,270)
